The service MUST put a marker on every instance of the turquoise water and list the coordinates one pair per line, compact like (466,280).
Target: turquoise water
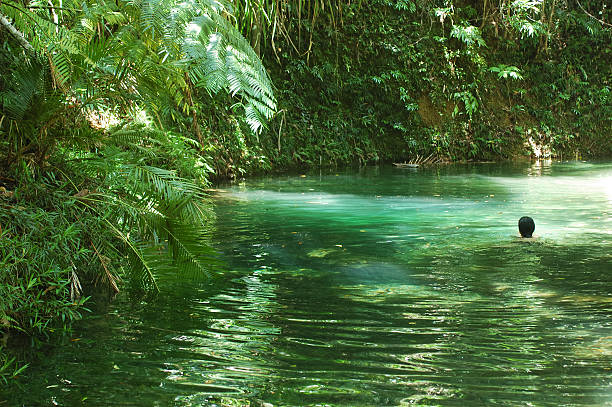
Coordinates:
(378,287)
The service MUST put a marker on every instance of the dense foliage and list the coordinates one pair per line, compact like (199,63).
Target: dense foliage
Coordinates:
(393,79)
(103,155)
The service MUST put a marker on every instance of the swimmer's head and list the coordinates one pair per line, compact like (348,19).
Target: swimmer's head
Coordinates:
(526,226)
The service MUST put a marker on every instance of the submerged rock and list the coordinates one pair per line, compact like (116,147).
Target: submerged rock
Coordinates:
(320,252)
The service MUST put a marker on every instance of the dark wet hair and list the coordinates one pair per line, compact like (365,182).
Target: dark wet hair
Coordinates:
(526,226)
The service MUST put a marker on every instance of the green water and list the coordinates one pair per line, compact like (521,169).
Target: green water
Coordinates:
(382,287)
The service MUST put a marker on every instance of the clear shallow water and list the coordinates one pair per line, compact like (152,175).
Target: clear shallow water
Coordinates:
(382,287)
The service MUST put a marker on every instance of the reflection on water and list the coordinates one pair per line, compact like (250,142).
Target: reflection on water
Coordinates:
(383,287)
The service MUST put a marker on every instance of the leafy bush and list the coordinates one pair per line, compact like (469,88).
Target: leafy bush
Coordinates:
(98,216)
(42,254)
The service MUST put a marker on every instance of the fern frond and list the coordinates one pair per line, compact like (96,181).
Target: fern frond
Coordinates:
(144,261)
(189,251)
(22,88)
(164,182)
(220,58)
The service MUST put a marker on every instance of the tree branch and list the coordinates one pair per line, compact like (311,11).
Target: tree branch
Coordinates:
(592,16)
(56,8)
(16,34)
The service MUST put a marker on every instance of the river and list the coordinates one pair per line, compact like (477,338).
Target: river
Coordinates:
(377,287)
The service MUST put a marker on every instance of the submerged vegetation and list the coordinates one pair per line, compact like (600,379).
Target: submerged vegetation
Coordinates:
(115,116)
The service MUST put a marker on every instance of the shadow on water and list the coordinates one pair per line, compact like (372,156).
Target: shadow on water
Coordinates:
(377,288)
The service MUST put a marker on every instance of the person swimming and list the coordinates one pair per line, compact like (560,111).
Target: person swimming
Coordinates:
(526,226)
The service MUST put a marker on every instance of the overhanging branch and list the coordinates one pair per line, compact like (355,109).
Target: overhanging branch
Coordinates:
(6,24)
(592,16)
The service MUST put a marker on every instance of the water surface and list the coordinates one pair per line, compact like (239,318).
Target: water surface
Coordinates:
(376,287)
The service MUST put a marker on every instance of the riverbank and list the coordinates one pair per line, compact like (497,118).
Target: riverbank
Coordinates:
(380,81)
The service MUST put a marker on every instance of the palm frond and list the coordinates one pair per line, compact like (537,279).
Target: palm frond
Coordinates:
(169,214)
(220,58)
(192,255)
(21,90)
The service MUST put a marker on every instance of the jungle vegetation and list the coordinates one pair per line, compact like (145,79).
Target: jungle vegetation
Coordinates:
(116,115)
(465,80)
(104,152)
